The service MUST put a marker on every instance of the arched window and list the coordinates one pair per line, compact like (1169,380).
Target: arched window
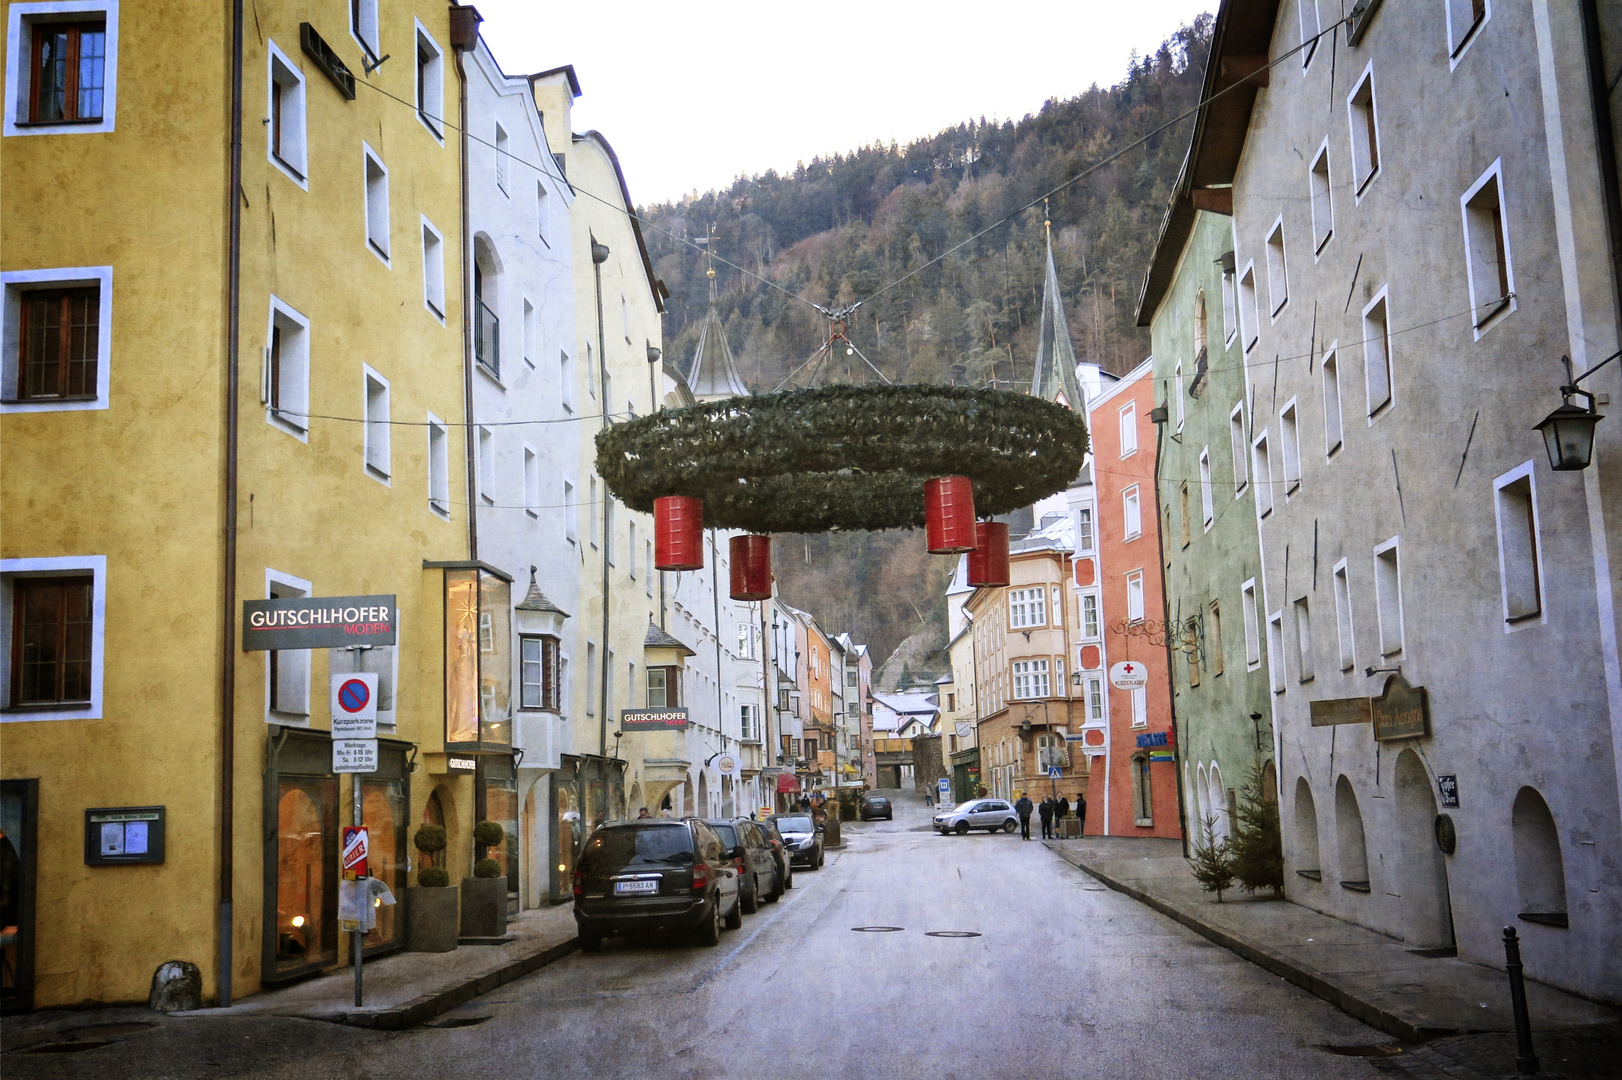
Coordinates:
(1219,802)
(1202,803)
(1143,811)
(1539,869)
(1350,847)
(1308,862)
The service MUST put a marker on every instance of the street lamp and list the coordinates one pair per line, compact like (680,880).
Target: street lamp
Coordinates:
(1568,432)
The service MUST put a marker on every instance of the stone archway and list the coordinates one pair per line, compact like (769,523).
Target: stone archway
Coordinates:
(1427,914)
(702,807)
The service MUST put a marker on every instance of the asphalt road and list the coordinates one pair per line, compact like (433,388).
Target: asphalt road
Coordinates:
(1064,978)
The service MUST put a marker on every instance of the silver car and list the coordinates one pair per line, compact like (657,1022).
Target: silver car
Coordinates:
(987,814)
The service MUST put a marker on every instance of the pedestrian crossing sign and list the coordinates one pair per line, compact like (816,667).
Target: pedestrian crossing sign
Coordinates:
(1053,772)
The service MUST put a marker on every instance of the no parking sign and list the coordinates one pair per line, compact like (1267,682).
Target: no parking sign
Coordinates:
(354,706)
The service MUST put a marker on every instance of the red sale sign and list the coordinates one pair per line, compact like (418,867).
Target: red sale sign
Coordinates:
(354,852)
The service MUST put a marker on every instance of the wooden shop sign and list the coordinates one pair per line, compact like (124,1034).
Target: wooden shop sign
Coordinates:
(1401,711)
(1346,710)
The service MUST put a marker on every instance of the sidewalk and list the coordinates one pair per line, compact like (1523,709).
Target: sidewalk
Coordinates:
(407,988)
(1366,974)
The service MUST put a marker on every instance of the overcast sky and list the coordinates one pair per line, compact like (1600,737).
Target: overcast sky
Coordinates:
(692,95)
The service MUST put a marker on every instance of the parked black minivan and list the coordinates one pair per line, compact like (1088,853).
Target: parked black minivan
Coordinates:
(655,875)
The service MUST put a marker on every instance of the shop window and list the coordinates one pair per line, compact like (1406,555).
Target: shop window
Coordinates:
(539,673)
(306,932)
(385,808)
(664,687)
(62,72)
(56,327)
(19,819)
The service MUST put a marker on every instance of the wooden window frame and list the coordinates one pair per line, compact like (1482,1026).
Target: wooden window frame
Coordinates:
(71,64)
(549,690)
(672,687)
(21,587)
(64,295)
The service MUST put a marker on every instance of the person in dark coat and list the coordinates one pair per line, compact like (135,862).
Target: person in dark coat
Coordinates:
(1063,810)
(1046,811)
(1081,812)
(1023,809)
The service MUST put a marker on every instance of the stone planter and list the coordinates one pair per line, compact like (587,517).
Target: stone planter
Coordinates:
(484,907)
(431,918)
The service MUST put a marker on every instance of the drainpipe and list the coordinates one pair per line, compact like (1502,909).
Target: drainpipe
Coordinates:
(468,315)
(228,661)
(1165,621)
(599,255)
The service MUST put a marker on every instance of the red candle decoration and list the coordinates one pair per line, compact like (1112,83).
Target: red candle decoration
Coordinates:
(988,562)
(949,514)
(678,533)
(751,567)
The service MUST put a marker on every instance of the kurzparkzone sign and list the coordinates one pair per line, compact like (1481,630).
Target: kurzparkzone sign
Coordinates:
(318,622)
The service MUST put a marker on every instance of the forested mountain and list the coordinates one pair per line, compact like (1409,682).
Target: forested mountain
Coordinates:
(866,226)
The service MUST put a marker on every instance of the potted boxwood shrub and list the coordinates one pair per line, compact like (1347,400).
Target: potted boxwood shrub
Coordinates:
(431,918)
(484,895)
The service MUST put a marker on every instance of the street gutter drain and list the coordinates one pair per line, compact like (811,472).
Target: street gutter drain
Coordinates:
(878,929)
(951,933)
(1376,1050)
(64,1047)
(455,1021)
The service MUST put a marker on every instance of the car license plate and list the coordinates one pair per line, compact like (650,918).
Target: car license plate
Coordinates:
(622,888)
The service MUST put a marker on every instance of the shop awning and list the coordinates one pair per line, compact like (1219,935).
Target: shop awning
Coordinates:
(787,782)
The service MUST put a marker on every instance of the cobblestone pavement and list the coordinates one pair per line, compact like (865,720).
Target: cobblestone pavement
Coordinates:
(1591,1053)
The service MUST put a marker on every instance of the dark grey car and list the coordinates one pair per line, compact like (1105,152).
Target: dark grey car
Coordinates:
(802,838)
(752,856)
(655,875)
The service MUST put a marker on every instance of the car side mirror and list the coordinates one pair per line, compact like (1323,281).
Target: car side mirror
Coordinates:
(822,828)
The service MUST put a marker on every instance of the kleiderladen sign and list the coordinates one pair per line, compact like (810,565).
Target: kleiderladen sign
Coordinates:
(318,622)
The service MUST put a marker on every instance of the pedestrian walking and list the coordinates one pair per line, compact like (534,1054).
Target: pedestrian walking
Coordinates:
(1023,809)
(642,813)
(1045,811)
(1081,812)
(1064,809)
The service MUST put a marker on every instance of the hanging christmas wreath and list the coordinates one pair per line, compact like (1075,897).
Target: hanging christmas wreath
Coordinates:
(844,457)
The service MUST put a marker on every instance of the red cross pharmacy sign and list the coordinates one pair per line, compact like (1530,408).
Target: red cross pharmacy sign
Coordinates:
(1128,675)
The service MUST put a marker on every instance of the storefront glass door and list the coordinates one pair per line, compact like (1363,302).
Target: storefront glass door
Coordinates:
(306,874)
(385,808)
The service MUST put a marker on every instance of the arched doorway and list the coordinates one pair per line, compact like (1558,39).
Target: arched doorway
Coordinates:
(1309,863)
(1351,849)
(1427,911)
(702,808)
(1540,870)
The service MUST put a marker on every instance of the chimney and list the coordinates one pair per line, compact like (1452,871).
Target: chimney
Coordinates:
(555,92)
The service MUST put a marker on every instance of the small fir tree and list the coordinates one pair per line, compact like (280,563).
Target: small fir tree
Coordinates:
(1212,865)
(1256,848)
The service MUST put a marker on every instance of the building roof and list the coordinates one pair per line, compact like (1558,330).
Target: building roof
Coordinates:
(1056,535)
(655,285)
(567,70)
(909,703)
(713,373)
(1055,375)
(535,600)
(657,638)
(1237,68)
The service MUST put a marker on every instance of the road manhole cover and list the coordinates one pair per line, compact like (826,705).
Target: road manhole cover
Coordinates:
(878,929)
(64,1047)
(1371,1051)
(456,1021)
(951,933)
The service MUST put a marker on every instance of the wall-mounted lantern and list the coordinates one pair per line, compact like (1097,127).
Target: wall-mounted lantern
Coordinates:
(1568,432)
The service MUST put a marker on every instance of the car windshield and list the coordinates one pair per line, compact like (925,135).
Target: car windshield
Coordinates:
(634,845)
(728,834)
(795,824)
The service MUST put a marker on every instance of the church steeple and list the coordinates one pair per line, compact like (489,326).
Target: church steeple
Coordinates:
(713,373)
(1055,375)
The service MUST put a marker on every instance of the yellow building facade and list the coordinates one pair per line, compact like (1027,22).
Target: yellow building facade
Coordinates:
(350,478)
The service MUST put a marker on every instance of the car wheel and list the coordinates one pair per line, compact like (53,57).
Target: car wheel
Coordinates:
(890,816)
(821,858)
(777,889)
(1009,826)
(963,828)
(591,941)
(788,879)
(709,931)
(750,902)
(735,916)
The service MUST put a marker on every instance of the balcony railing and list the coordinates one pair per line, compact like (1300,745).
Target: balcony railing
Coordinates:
(487,339)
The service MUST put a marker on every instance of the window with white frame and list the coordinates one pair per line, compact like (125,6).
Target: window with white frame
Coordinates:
(1230,299)
(1520,554)
(377,204)
(1308,12)
(1303,640)
(1486,248)
(54,620)
(1131,514)
(284,127)
(1089,615)
(1343,617)
(591,512)
(1275,650)
(1365,129)
(1323,203)
(1084,529)
(439,466)
(630,550)
(433,270)
(1388,597)
(1030,678)
(376,436)
(1289,444)
(532,482)
(57,331)
(1177,393)
(571,514)
(1238,448)
(503,155)
(540,677)
(62,68)
(1464,21)
(1140,706)
(1095,700)
(287,671)
(485,441)
(430,83)
(1263,474)
(1278,278)
(543,213)
(1377,353)
(363,25)
(591,678)
(1207,509)
(749,723)
(1331,381)
(591,372)
(1182,500)
(1215,638)
(1249,312)
(1027,608)
(1129,429)
(608,526)
(1134,596)
(1248,611)
(285,377)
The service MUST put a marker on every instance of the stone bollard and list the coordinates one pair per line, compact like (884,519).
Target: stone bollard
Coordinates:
(176,987)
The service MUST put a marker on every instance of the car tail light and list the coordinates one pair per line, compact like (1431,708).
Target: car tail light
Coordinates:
(701,876)
(579,884)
